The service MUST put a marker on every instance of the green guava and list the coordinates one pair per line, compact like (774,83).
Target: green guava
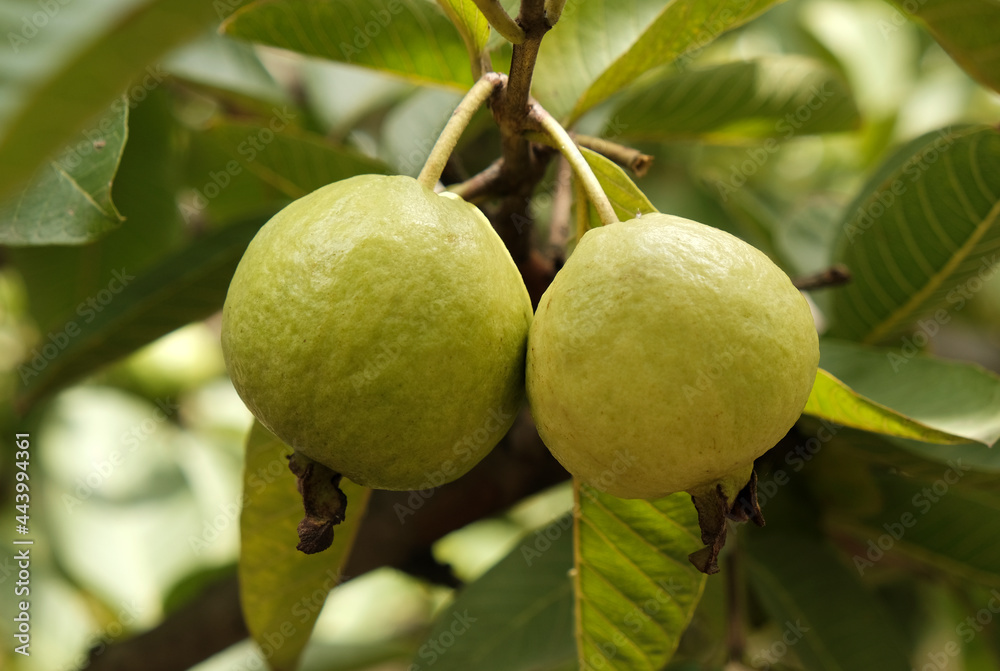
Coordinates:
(380,329)
(666,356)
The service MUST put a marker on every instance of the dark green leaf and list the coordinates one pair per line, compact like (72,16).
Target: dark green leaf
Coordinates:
(57,78)
(60,280)
(636,591)
(184,287)
(962,399)
(411,38)
(824,614)
(600,46)
(69,201)
(775,97)
(281,589)
(518,615)
(934,520)
(967,29)
(922,236)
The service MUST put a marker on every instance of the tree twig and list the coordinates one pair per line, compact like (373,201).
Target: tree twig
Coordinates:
(562,205)
(834,276)
(500,20)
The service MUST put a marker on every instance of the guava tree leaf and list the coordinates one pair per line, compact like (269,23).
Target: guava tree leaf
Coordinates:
(923,234)
(280,586)
(68,202)
(601,46)
(471,25)
(833,400)
(935,520)
(294,161)
(410,38)
(774,97)
(185,286)
(824,613)
(518,615)
(967,29)
(626,198)
(56,79)
(636,591)
(954,397)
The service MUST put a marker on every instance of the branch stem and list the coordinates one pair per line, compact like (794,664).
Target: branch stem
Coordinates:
(459,121)
(500,20)
(553,10)
(566,146)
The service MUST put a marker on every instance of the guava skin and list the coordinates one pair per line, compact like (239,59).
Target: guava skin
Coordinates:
(380,329)
(666,356)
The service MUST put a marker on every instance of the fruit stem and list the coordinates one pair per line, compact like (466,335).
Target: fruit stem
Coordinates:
(500,20)
(553,10)
(448,140)
(564,143)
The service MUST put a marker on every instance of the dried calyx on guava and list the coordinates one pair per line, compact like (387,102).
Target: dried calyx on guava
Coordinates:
(680,348)
(379,329)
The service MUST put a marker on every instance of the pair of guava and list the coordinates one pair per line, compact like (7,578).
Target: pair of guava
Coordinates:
(383,330)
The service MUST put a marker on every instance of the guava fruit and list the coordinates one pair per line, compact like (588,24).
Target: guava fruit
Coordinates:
(666,356)
(379,329)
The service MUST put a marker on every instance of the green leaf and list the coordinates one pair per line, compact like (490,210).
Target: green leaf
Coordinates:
(472,25)
(774,97)
(410,38)
(600,46)
(186,286)
(61,279)
(934,520)
(922,235)
(281,589)
(69,201)
(626,198)
(54,83)
(518,615)
(957,398)
(967,29)
(636,591)
(294,161)
(824,613)
(228,68)
(832,399)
